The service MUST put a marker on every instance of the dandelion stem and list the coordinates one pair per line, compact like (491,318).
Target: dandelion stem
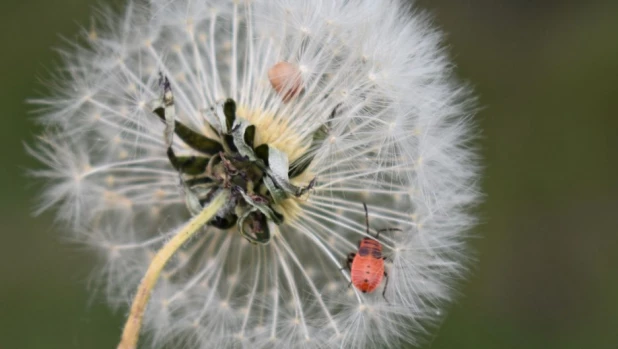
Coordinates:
(132,327)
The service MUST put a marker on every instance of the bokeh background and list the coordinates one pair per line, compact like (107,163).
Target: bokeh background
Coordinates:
(546,73)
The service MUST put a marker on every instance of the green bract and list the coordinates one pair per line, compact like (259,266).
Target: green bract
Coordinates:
(257,177)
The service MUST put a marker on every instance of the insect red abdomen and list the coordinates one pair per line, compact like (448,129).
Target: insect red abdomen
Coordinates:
(367,269)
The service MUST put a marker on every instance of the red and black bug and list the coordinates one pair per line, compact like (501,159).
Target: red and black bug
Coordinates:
(367,265)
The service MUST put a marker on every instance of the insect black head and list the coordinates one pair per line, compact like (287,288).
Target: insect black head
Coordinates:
(363,251)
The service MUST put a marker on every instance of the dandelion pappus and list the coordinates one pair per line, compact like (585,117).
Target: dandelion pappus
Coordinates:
(367,265)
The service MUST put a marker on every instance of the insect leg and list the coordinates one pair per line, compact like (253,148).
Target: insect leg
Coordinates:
(385,286)
(350,259)
(348,262)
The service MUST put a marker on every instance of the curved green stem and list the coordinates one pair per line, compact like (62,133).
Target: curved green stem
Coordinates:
(130,334)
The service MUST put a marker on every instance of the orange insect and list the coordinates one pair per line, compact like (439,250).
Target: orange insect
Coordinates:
(367,265)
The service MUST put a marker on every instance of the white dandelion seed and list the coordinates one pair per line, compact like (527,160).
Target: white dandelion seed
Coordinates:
(282,118)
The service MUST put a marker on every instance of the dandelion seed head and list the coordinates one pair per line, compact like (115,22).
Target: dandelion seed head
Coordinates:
(365,110)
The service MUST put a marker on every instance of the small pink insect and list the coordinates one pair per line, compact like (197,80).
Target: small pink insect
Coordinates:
(285,78)
(367,265)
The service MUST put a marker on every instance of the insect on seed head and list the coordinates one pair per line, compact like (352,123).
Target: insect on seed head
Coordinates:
(285,78)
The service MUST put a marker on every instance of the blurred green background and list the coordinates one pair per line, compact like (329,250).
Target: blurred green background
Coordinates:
(547,76)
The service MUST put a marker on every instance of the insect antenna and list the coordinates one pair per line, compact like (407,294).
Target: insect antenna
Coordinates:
(377,231)
(386,229)
(367,218)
